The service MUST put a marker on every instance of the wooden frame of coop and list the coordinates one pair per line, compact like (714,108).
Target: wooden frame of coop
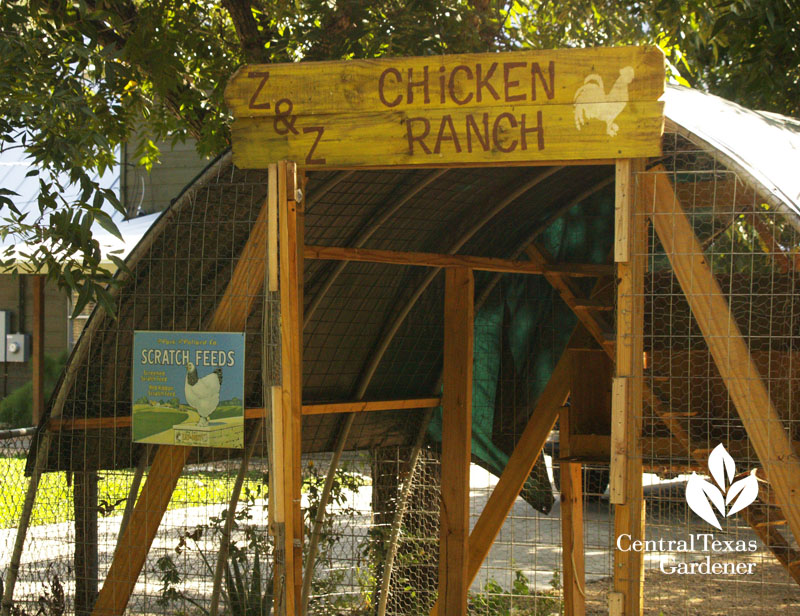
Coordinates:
(481,110)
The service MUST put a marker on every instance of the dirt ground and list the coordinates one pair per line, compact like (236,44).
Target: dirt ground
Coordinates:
(770,591)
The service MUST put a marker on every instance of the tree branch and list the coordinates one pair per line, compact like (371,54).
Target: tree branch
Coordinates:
(252,40)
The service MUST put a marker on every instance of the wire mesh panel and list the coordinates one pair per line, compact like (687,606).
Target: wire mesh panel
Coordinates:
(748,245)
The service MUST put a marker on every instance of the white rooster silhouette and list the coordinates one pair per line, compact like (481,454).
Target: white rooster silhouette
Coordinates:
(591,100)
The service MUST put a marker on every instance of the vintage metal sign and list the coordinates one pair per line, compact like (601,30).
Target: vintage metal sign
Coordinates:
(188,388)
(573,104)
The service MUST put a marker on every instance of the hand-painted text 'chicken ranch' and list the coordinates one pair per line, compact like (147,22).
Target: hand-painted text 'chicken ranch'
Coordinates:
(470,108)
(188,388)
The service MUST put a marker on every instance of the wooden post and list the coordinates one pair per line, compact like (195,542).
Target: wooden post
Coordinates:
(518,469)
(767,433)
(230,315)
(38,348)
(290,222)
(626,466)
(456,440)
(84,490)
(571,515)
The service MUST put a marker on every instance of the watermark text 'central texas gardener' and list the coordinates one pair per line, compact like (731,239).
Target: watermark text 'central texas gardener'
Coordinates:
(728,496)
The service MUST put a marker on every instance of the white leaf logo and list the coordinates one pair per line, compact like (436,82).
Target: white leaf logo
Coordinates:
(701,494)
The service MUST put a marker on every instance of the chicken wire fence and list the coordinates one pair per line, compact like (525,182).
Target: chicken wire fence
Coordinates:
(750,242)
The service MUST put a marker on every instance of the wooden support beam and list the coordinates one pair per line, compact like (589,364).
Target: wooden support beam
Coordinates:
(565,288)
(290,224)
(135,541)
(38,348)
(84,491)
(459,322)
(770,439)
(429,259)
(231,314)
(572,554)
(518,469)
(370,405)
(58,424)
(627,412)
(272,228)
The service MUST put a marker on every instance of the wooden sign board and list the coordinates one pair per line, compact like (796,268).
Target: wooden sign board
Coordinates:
(496,108)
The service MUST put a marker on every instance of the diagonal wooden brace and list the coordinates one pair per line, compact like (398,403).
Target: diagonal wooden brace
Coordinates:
(731,354)
(231,314)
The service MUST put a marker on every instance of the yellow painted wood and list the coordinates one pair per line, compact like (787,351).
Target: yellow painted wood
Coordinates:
(514,133)
(450,82)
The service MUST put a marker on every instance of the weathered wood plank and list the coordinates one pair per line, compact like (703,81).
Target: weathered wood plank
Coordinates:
(622,211)
(518,468)
(37,356)
(272,228)
(448,82)
(290,223)
(370,405)
(572,554)
(620,394)
(770,439)
(84,500)
(629,566)
(430,259)
(320,408)
(134,544)
(456,440)
(388,138)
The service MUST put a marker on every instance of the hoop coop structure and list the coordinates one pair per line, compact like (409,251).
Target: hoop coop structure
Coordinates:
(520,338)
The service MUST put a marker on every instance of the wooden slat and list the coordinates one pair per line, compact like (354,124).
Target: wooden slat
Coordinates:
(290,223)
(729,350)
(427,259)
(373,405)
(58,424)
(456,440)
(134,544)
(618,448)
(540,257)
(518,468)
(622,211)
(272,228)
(572,553)
(38,348)
(84,500)
(230,315)
(616,604)
(629,566)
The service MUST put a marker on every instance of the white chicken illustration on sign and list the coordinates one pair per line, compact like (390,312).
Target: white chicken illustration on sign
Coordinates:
(592,102)
(202,394)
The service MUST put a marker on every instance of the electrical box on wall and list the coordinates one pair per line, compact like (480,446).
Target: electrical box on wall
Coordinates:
(5,324)
(18,347)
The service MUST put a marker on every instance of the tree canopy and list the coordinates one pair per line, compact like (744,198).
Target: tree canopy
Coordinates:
(80,77)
